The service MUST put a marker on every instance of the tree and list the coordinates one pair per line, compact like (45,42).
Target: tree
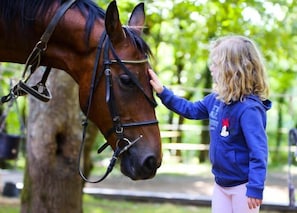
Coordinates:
(51,180)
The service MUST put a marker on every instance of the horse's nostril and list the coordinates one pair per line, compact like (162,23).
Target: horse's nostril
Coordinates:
(150,163)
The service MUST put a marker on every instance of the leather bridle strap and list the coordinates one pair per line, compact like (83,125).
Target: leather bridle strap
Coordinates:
(21,88)
(110,98)
(39,91)
(35,56)
(94,82)
(118,127)
(93,85)
(54,22)
(131,76)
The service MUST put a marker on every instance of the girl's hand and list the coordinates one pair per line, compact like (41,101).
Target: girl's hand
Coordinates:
(155,82)
(254,202)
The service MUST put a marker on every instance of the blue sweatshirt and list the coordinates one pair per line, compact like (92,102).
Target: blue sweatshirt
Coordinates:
(238,141)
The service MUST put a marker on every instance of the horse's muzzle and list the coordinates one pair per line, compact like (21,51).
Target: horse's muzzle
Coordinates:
(139,166)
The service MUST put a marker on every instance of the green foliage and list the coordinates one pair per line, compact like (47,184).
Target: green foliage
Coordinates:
(188,26)
(93,205)
(96,205)
(9,74)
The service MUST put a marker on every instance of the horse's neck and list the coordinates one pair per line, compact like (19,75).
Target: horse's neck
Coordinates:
(14,47)
(66,50)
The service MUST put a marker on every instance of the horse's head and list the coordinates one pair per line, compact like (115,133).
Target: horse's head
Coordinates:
(123,105)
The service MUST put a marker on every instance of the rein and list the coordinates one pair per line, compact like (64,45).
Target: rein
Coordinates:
(39,91)
(122,143)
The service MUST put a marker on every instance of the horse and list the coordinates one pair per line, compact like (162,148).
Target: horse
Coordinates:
(89,43)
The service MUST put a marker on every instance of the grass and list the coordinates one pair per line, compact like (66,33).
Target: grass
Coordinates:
(9,205)
(97,205)
(170,168)
(9,209)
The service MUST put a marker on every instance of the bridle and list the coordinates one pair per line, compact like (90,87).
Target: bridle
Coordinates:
(40,90)
(104,46)
(122,142)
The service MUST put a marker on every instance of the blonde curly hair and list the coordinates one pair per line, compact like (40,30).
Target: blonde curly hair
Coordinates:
(240,69)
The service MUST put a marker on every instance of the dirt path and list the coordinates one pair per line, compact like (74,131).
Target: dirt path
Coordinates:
(195,180)
(188,180)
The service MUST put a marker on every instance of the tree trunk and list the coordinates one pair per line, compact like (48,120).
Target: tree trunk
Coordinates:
(51,181)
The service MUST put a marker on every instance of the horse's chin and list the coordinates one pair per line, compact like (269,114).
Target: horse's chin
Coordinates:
(131,173)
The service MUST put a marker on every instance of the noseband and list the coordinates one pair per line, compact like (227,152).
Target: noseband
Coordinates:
(122,142)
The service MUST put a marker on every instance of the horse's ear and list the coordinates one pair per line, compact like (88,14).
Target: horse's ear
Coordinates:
(113,24)
(137,18)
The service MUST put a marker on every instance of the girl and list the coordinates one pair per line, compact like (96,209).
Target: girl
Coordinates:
(236,110)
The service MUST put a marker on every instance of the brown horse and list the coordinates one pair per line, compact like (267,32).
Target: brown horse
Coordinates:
(122,104)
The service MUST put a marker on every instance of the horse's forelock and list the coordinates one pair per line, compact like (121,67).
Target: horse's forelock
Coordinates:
(138,41)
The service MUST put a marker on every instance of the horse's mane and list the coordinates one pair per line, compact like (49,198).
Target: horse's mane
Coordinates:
(21,14)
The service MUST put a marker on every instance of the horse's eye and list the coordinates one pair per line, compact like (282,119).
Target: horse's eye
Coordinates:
(126,80)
